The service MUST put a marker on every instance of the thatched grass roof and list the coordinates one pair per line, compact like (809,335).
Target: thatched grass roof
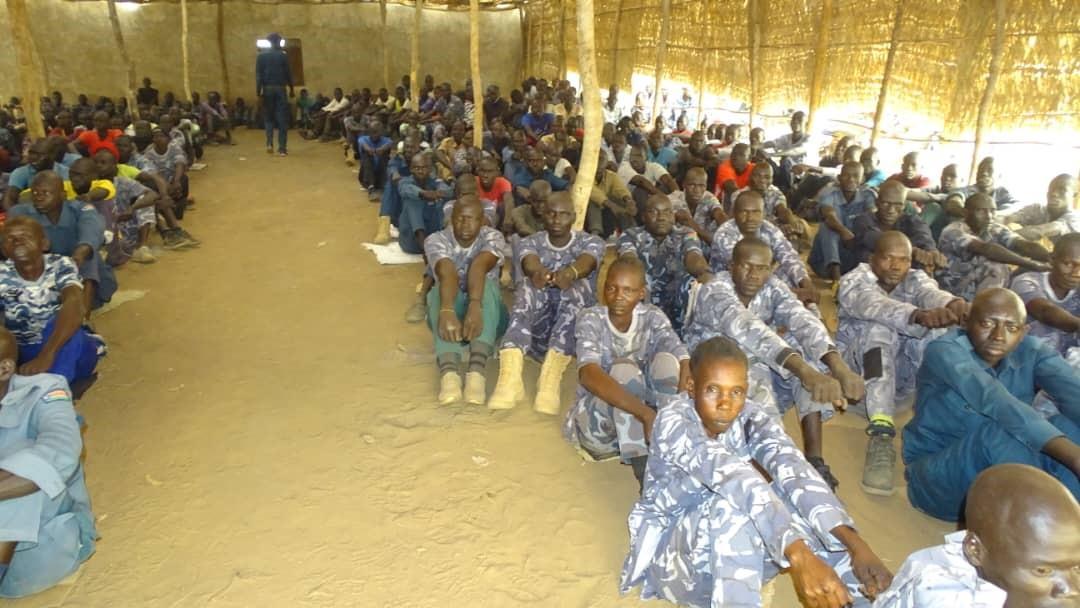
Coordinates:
(941,66)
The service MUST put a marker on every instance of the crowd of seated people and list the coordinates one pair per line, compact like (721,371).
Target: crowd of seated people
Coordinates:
(709,327)
(96,192)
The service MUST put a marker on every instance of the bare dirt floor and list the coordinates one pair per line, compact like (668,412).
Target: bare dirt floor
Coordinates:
(264,431)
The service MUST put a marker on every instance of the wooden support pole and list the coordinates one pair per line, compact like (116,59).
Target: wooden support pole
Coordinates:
(562,39)
(526,41)
(886,77)
(754,9)
(986,103)
(414,70)
(615,45)
(184,49)
(114,20)
(594,116)
(226,88)
(538,67)
(661,55)
(701,91)
(474,66)
(385,51)
(31,73)
(821,51)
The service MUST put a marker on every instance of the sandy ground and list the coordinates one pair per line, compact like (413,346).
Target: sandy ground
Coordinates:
(264,431)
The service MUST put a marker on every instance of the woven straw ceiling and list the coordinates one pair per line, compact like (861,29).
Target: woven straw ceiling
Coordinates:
(942,54)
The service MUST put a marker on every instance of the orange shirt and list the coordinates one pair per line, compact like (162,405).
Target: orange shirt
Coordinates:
(725,172)
(95,142)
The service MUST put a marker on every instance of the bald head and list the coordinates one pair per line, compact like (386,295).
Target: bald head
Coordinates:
(891,241)
(1024,535)
(894,189)
(998,298)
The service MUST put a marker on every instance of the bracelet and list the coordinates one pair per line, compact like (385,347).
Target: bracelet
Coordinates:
(574,270)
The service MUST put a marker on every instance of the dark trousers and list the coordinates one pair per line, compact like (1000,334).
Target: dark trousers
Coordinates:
(276,112)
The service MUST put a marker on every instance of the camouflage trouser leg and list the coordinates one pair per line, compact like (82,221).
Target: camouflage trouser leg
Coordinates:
(532,319)
(739,565)
(887,361)
(570,302)
(602,429)
(788,390)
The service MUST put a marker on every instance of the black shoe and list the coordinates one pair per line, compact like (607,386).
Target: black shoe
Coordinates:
(823,470)
(638,463)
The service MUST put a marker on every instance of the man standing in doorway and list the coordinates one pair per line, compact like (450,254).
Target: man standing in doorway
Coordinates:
(272,75)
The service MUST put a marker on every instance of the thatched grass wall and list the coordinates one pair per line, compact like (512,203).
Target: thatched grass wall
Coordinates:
(942,59)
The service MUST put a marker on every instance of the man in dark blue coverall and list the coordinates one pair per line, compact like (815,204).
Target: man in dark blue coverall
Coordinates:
(272,75)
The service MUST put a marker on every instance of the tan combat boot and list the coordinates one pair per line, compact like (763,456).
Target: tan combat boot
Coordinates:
(549,384)
(475,388)
(382,231)
(450,388)
(509,389)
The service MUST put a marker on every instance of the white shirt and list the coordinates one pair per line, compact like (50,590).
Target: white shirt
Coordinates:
(336,105)
(653,172)
(940,577)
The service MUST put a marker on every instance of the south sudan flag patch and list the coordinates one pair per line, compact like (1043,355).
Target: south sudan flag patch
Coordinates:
(56,395)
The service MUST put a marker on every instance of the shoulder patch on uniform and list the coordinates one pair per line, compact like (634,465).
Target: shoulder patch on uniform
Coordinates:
(58,394)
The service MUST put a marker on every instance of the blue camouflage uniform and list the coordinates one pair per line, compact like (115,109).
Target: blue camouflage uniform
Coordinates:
(665,267)
(127,231)
(757,328)
(1036,286)
(53,527)
(968,273)
(702,213)
(30,309)
(644,360)
(790,265)
(709,530)
(79,224)
(828,249)
(544,318)
(418,213)
(875,326)
(442,245)
(969,417)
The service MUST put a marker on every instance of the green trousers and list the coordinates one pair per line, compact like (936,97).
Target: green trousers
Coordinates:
(493,313)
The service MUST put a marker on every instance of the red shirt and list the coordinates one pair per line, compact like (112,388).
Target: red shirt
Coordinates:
(94,142)
(725,172)
(500,187)
(918,182)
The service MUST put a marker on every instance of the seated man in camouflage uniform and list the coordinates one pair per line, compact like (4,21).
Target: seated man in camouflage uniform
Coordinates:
(671,255)
(888,313)
(465,310)
(776,208)
(748,221)
(697,208)
(1053,298)
(710,529)
(784,339)
(630,363)
(560,266)
(980,250)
